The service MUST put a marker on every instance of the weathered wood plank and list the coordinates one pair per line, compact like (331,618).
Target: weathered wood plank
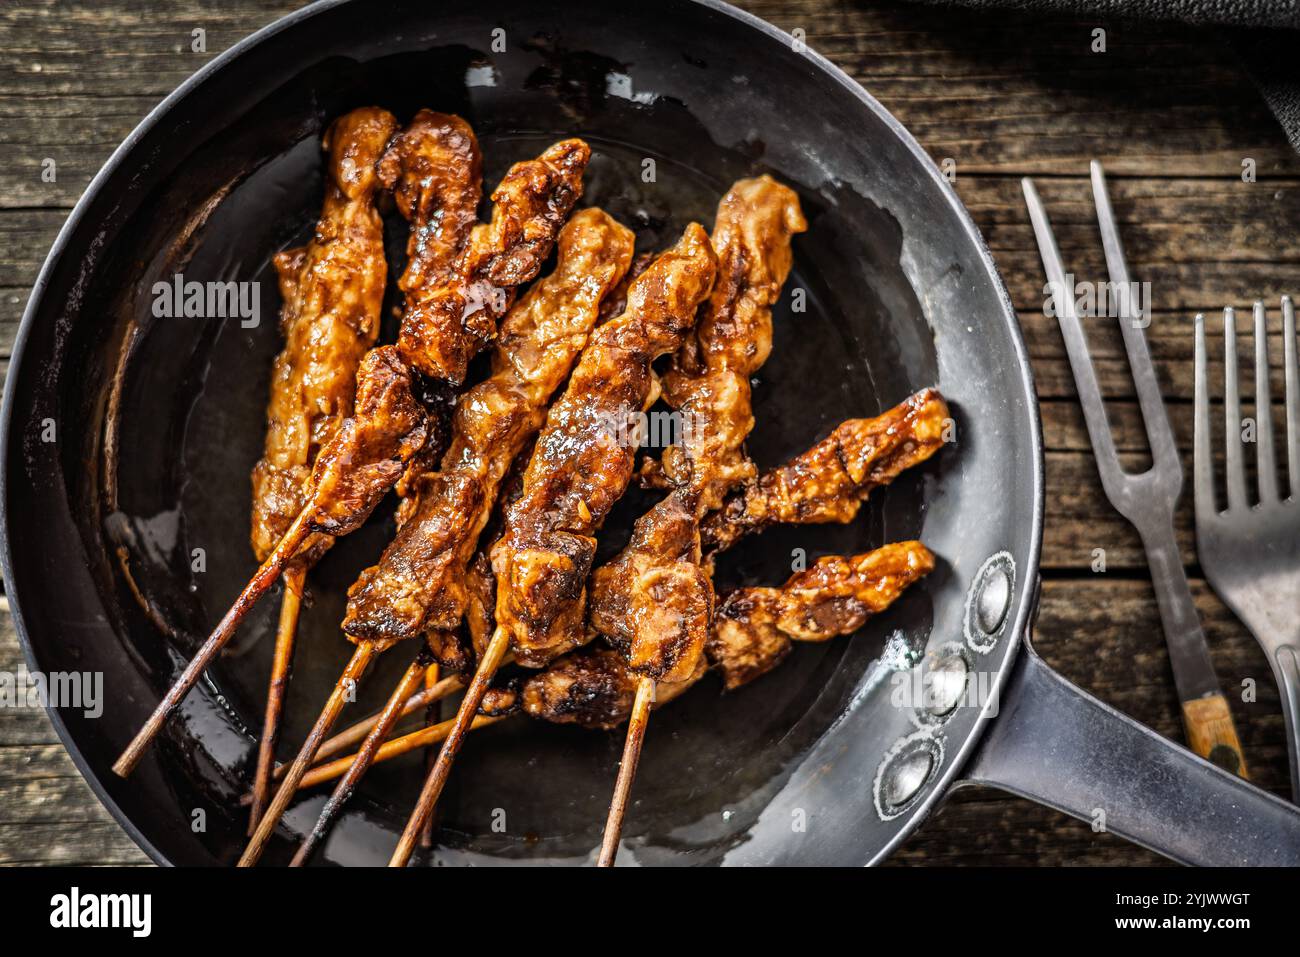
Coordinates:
(48,814)
(99,49)
(1010,93)
(25,727)
(967,84)
(81,844)
(78,133)
(1201,244)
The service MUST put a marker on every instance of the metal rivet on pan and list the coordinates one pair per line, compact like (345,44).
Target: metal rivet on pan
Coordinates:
(993,601)
(946,684)
(907,767)
(905,776)
(988,602)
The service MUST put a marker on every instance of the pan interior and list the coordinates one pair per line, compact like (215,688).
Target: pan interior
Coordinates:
(168,416)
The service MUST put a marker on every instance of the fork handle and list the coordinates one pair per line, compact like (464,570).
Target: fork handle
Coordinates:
(1206,716)
(1286,666)
(1212,735)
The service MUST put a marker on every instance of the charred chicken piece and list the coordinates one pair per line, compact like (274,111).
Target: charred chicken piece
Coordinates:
(450,323)
(420,580)
(834,597)
(830,481)
(370,449)
(592,687)
(435,171)
(655,601)
(584,456)
(708,382)
(333,289)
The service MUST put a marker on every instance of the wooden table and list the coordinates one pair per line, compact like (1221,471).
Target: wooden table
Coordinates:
(1166,108)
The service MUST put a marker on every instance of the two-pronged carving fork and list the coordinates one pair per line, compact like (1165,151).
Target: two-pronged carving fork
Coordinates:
(1146,499)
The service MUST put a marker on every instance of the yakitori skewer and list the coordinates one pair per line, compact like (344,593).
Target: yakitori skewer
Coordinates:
(818,486)
(435,171)
(421,583)
(829,482)
(655,600)
(753,633)
(333,290)
(530,205)
(352,473)
(579,468)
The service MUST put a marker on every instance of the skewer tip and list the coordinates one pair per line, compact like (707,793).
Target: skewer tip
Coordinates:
(636,727)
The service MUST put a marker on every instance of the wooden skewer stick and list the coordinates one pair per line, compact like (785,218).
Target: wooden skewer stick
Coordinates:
(339,743)
(295,578)
(354,734)
(437,779)
(329,714)
(365,757)
(332,770)
(645,696)
(256,587)
(430,716)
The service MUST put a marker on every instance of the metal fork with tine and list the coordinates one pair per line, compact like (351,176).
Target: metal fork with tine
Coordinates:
(1146,499)
(1251,553)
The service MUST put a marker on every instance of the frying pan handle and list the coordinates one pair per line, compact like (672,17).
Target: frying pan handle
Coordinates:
(1057,745)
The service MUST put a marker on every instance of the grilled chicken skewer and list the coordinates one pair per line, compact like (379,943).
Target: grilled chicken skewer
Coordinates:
(655,600)
(530,205)
(333,290)
(830,481)
(817,486)
(435,171)
(876,450)
(584,686)
(420,581)
(579,468)
(752,634)
(279,489)
(352,473)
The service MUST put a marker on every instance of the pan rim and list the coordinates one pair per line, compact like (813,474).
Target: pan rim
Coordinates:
(1023,600)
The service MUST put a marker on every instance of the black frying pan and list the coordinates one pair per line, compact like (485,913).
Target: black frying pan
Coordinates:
(827,760)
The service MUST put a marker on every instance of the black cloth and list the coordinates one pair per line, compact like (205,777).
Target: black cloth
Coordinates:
(1265,34)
